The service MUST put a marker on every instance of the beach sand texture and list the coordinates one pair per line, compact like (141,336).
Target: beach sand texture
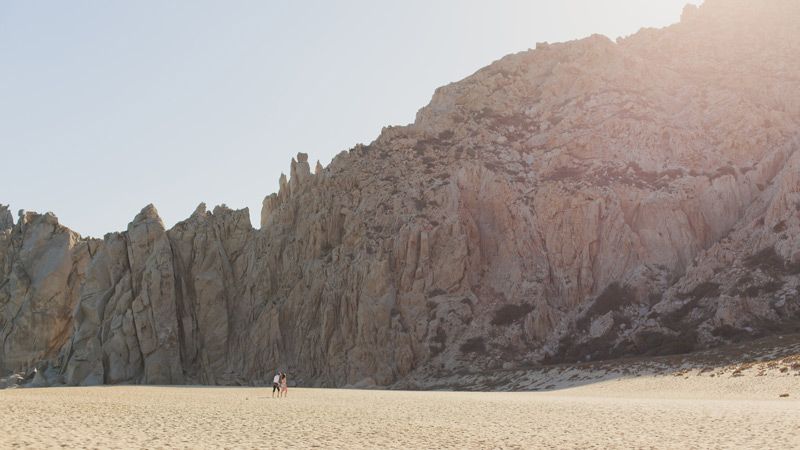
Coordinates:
(646,412)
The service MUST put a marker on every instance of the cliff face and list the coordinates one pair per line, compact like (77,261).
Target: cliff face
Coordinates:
(42,268)
(579,201)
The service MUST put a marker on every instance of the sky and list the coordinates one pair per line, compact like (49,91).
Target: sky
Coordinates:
(108,106)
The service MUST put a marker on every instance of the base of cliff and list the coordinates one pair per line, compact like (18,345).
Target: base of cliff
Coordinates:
(774,356)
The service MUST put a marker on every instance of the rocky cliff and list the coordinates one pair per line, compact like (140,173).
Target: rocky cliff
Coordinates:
(583,200)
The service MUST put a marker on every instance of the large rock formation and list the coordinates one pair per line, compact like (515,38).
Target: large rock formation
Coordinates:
(42,268)
(583,200)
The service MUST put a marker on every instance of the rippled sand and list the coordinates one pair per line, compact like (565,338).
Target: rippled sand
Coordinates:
(660,412)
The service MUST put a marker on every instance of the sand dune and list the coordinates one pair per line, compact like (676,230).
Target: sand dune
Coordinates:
(675,411)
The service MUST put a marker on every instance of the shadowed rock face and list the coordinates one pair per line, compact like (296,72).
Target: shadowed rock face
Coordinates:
(581,200)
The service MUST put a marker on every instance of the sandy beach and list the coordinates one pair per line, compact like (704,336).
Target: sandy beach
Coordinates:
(675,411)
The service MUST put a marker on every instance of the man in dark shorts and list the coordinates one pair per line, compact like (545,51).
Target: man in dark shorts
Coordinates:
(276,385)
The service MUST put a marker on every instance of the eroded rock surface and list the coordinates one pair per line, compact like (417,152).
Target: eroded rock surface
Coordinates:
(42,268)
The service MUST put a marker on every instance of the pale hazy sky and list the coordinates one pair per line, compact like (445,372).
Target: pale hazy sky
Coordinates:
(106,106)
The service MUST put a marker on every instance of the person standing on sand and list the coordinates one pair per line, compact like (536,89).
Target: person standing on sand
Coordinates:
(284,389)
(276,385)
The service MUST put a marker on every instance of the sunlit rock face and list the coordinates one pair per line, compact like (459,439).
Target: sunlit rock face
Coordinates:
(42,268)
(582,200)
